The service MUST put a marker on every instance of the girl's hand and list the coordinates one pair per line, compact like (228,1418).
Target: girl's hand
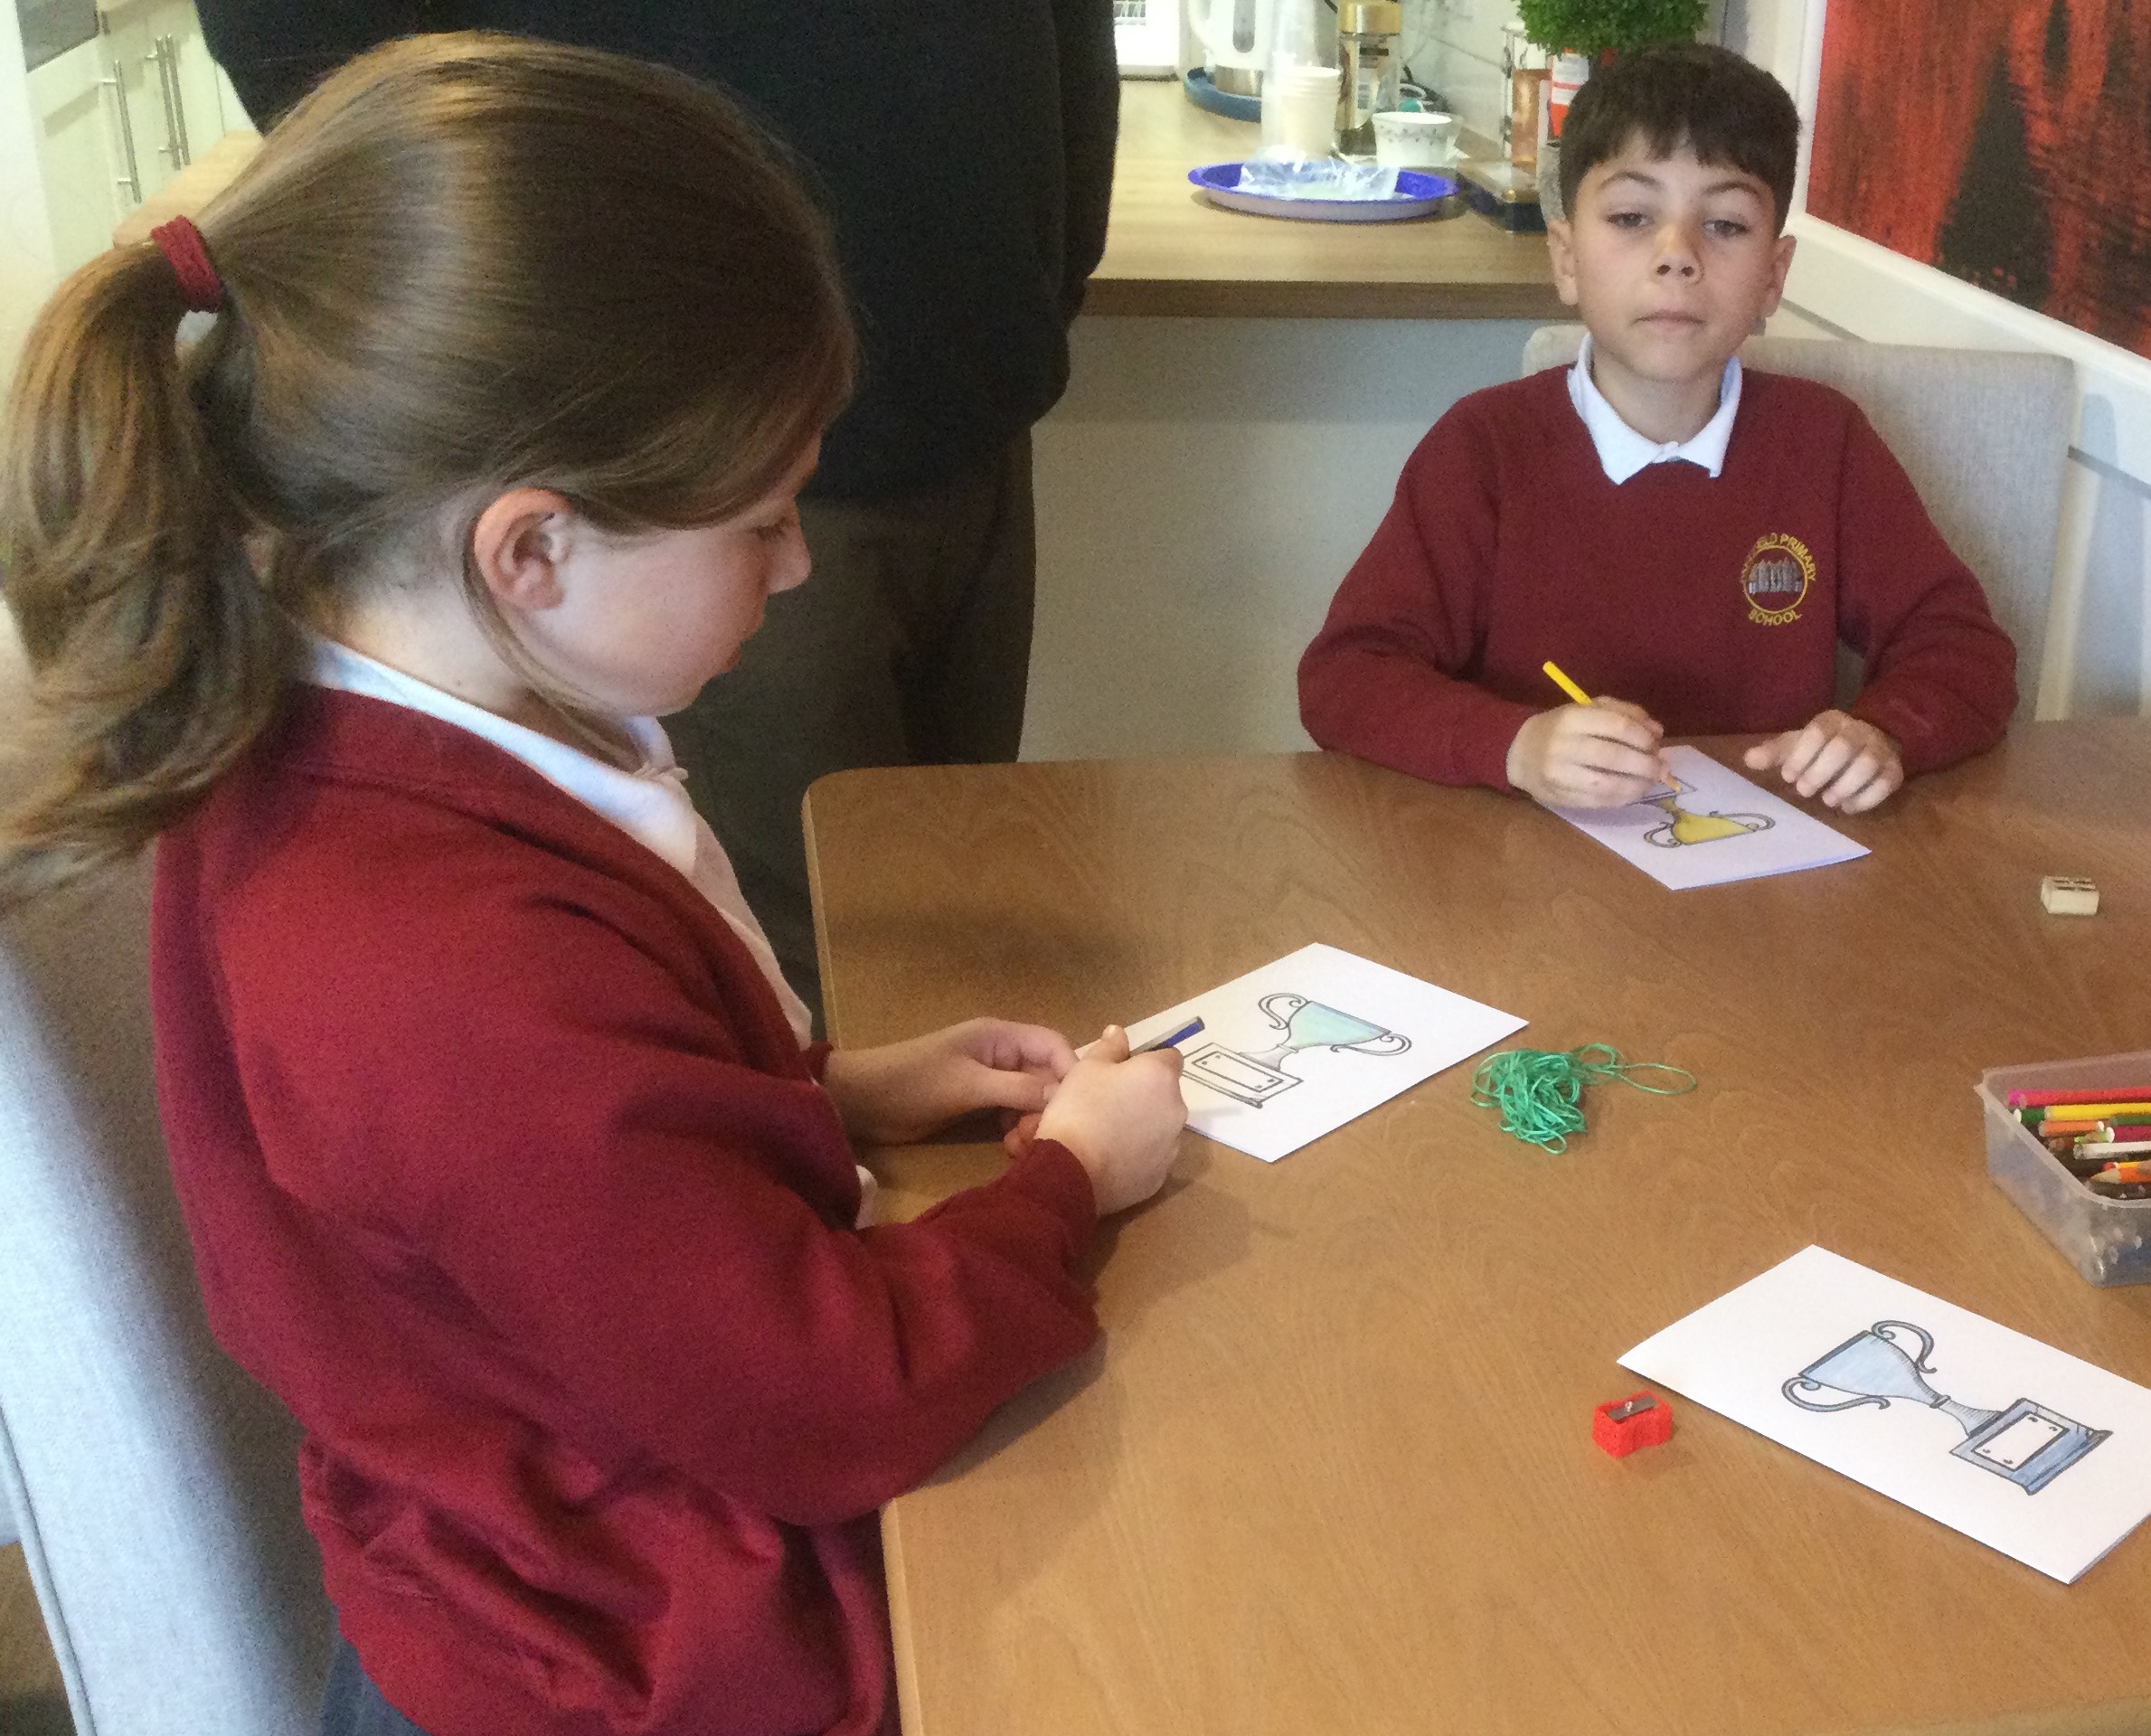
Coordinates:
(902,1092)
(1589,756)
(1852,765)
(1121,1118)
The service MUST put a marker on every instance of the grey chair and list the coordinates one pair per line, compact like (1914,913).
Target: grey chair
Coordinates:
(154,1486)
(1983,435)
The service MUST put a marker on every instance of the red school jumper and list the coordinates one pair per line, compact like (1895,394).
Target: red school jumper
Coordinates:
(1716,603)
(504,1172)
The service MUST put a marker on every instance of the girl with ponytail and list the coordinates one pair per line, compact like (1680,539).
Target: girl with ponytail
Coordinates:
(506,1161)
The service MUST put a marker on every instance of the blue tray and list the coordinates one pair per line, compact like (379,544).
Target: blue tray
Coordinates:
(1418,194)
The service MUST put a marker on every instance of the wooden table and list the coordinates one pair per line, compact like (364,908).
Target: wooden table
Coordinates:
(1331,1469)
(1169,250)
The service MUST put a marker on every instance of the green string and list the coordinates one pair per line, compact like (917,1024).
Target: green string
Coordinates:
(1539,1092)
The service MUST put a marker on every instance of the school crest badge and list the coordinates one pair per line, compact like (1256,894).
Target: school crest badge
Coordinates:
(1775,579)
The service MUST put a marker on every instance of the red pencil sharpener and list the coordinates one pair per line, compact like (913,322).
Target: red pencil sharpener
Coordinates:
(1622,1425)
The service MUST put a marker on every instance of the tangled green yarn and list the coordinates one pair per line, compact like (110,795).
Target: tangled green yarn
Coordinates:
(1539,1092)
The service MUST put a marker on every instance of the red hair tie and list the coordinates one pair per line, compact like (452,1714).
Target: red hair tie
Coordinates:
(180,243)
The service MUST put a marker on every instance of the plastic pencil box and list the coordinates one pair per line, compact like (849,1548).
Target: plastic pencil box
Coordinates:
(2108,1242)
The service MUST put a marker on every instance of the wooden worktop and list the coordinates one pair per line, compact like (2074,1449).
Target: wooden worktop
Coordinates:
(1171,252)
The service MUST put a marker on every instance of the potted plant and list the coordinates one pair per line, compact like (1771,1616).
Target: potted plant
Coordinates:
(1596,28)
(1580,33)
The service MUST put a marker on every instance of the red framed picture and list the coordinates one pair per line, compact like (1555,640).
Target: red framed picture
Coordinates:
(2006,142)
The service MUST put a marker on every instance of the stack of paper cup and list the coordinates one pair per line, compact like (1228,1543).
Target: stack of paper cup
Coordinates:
(1300,109)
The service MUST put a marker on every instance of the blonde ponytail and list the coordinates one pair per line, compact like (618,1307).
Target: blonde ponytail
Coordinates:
(154,656)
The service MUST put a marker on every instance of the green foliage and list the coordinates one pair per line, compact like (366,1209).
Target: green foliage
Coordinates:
(1593,26)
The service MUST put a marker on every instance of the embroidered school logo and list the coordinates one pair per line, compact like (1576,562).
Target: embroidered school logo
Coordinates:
(1775,578)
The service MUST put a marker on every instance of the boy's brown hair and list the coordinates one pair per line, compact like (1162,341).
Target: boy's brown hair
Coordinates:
(465,263)
(1725,110)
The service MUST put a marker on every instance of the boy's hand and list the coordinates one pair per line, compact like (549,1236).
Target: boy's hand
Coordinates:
(1589,756)
(1120,1116)
(901,1091)
(1852,765)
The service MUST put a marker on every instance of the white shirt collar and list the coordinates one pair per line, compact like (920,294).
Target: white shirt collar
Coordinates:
(1622,451)
(650,804)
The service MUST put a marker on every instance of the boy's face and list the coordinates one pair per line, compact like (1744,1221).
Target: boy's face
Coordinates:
(1671,262)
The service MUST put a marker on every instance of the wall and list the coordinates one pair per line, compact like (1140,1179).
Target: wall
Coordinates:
(2100,650)
(1200,490)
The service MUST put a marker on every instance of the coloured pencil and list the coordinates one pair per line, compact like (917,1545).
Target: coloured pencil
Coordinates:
(1565,685)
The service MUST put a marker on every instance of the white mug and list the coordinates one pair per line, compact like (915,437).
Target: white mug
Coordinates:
(1414,138)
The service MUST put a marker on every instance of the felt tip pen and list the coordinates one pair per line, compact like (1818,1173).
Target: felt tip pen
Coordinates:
(1192,1028)
(2080,1094)
(2062,1124)
(1565,685)
(2088,1109)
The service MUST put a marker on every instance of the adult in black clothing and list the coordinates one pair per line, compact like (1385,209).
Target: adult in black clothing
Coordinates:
(965,152)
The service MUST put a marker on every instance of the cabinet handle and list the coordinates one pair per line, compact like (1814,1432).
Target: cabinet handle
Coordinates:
(130,182)
(179,107)
(164,58)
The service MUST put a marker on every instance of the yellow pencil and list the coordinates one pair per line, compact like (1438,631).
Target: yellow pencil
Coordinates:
(1566,686)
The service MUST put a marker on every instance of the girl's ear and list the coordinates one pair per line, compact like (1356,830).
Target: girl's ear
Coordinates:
(519,543)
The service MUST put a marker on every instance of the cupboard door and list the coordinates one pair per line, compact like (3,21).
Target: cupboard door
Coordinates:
(83,169)
(174,110)
(142,113)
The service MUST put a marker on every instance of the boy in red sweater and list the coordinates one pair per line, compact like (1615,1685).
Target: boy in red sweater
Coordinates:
(1667,526)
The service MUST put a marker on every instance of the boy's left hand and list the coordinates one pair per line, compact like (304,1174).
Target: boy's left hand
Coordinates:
(902,1092)
(1852,765)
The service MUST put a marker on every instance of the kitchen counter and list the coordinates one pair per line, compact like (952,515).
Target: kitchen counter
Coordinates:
(1169,252)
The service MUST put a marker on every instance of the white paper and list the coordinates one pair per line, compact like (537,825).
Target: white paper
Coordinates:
(2038,1454)
(1296,1048)
(1684,837)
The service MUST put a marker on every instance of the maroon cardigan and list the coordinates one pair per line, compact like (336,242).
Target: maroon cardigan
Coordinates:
(1506,545)
(505,1174)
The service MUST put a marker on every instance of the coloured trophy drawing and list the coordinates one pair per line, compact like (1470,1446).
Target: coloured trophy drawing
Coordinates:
(1683,827)
(1254,1078)
(2024,1442)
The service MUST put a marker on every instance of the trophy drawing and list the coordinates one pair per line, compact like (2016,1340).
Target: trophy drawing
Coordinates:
(2026,1442)
(1684,827)
(1255,1078)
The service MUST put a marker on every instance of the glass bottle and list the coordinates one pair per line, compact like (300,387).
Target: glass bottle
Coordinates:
(1524,72)
(1370,65)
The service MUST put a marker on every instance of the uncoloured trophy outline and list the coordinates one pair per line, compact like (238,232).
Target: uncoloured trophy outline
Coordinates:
(1254,1078)
(1995,1440)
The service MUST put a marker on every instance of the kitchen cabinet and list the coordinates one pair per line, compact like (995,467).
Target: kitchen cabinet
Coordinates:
(163,94)
(79,166)
(112,120)
(98,111)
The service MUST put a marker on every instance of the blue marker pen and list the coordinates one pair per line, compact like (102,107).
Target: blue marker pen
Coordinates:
(1192,1028)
